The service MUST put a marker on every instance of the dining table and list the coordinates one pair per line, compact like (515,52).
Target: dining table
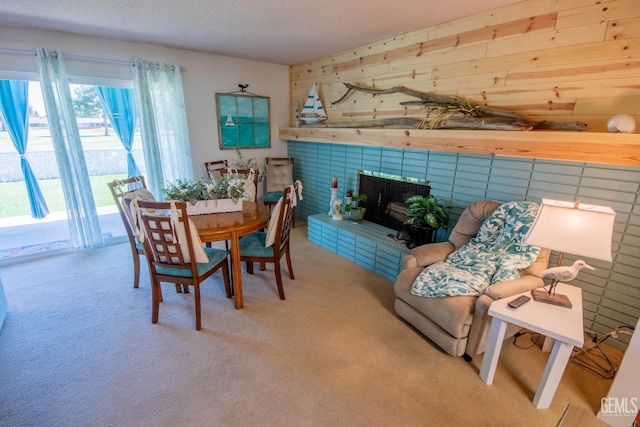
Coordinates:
(231,226)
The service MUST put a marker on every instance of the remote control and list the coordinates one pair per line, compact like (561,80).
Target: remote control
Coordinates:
(517,302)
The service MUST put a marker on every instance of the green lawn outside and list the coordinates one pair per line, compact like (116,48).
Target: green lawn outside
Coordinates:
(14,201)
(13,195)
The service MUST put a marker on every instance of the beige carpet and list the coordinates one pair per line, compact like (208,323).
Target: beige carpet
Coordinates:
(78,349)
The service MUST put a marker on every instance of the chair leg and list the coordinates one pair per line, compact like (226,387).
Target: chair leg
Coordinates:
(151,276)
(136,270)
(225,277)
(289,266)
(263,266)
(276,267)
(155,301)
(196,298)
(249,267)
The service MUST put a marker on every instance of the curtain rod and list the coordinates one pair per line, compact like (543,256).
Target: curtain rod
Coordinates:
(68,56)
(76,57)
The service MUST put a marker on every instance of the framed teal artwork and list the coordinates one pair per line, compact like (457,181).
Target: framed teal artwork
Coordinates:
(243,121)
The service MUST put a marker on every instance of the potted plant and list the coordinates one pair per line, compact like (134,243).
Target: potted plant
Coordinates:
(207,197)
(352,209)
(424,217)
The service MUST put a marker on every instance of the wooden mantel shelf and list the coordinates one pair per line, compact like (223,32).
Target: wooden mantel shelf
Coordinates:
(592,147)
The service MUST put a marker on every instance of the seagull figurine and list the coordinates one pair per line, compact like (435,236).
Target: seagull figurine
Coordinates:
(564,273)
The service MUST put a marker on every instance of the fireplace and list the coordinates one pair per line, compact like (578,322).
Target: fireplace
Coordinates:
(386,195)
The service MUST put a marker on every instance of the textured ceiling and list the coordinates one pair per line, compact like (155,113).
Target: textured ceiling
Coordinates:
(276,31)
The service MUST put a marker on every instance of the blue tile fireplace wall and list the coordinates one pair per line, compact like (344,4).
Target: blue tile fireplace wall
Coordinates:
(611,292)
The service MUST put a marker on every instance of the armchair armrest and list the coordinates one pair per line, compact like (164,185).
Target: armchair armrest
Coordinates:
(512,287)
(479,331)
(424,255)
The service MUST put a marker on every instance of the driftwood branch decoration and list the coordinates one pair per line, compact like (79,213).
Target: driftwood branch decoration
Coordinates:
(451,112)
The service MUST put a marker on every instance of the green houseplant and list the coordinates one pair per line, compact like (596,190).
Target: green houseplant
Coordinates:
(352,209)
(424,217)
(193,191)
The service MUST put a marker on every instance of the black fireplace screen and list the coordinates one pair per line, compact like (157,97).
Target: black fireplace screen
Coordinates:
(386,195)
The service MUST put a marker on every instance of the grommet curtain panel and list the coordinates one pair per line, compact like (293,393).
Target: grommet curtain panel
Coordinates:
(120,106)
(74,177)
(14,107)
(163,123)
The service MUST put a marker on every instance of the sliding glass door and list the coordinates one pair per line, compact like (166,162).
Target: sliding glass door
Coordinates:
(106,158)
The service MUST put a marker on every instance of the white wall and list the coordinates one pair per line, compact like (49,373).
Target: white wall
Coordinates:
(203,76)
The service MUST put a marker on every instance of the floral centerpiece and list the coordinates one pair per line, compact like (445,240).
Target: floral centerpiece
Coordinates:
(207,197)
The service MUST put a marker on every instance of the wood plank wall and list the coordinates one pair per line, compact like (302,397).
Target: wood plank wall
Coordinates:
(548,59)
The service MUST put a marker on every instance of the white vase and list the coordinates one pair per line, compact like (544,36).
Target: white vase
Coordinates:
(214,206)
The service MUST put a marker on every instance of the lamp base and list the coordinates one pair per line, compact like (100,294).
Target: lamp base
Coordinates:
(541,295)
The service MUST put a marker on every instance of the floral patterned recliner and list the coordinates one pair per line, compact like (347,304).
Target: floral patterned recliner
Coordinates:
(459,324)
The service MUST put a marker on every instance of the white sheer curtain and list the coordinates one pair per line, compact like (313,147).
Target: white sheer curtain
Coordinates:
(76,187)
(163,123)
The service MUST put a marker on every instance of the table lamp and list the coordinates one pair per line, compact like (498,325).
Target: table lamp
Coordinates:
(575,228)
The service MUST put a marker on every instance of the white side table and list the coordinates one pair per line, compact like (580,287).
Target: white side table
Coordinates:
(564,325)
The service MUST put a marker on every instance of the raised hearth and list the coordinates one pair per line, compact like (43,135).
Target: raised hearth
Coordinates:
(367,244)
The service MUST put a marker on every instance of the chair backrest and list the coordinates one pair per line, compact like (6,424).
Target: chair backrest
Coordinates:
(171,239)
(471,220)
(279,173)
(215,169)
(250,178)
(122,191)
(279,227)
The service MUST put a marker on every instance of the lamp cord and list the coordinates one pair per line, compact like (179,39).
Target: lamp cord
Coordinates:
(534,339)
(603,364)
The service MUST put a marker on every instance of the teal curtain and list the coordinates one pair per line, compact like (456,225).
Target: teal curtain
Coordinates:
(14,107)
(119,103)
(76,187)
(163,123)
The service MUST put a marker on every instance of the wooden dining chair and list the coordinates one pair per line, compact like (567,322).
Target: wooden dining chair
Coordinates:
(175,252)
(250,176)
(269,247)
(279,175)
(123,191)
(215,169)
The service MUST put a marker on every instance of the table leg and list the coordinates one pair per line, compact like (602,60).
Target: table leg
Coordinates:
(552,374)
(236,269)
(492,350)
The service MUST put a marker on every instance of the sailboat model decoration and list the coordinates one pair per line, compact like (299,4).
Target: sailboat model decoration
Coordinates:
(313,111)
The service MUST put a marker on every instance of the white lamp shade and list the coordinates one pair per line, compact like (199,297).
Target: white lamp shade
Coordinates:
(585,230)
